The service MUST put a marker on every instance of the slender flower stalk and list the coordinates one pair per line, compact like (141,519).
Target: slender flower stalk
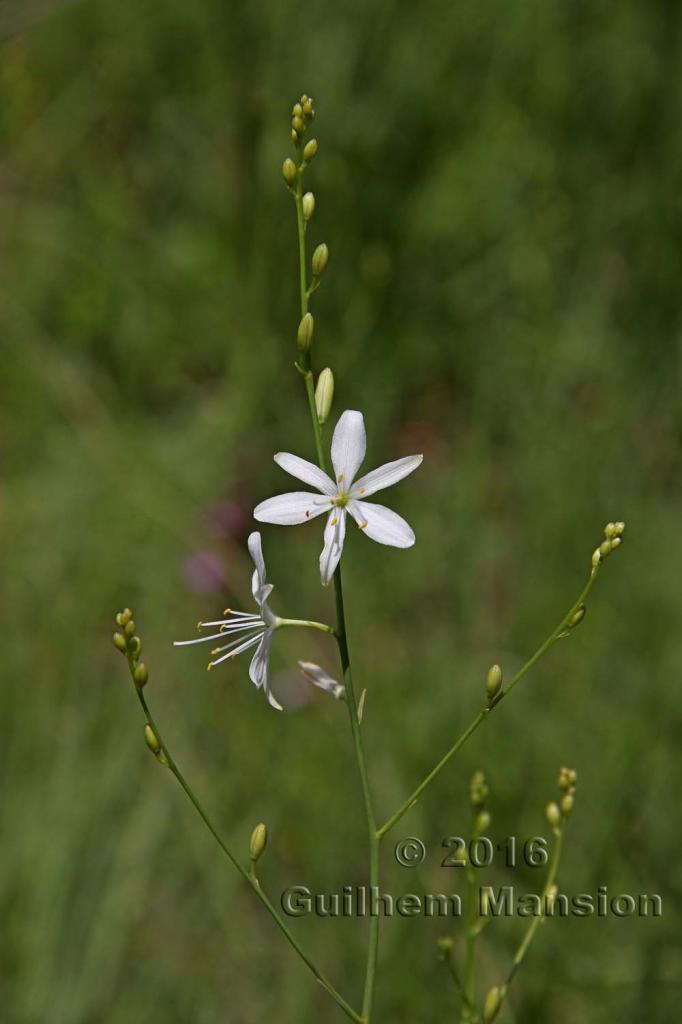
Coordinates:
(341,634)
(559,631)
(154,739)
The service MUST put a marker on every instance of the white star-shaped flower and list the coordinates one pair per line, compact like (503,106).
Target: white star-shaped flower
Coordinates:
(342,495)
(246,630)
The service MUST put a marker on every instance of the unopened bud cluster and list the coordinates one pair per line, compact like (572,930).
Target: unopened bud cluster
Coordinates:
(613,538)
(302,113)
(555,812)
(128,642)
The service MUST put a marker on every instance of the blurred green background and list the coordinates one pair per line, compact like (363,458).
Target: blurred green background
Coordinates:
(499,188)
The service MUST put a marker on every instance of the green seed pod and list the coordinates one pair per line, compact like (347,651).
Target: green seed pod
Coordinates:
(151,739)
(309,150)
(120,642)
(493,681)
(289,171)
(305,332)
(308,203)
(140,675)
(324,395)
(492,1004)
(320,259)
(259,838)
(553,814)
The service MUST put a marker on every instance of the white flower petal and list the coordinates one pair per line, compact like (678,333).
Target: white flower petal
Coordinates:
(256,551)
(348,447)
(291,509)
(334,534)
(385,476)
(259,669)
(382,524)
(306,471)
(318,677)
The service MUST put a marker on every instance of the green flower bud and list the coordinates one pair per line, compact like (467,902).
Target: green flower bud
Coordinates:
(130,628)
(120,642)
(309,150)
(140,675)
(289,171)
(596,558)
(297,110)
(151,739)
(135,646)
(577,617)
(553,814)
(320,259)
(478,789)
(567,802)
(492,1004)
(123,617)
(308,108)
(619,529)
(610,530)
(493,681)
(308,203)
(605,548)
(305,332)
(294,137)
(445,944)
(616,543)
(298,125)
(259,838)
(324,395)
(482,822)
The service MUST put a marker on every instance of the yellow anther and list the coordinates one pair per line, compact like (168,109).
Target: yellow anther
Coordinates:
(334,520)
(363,526)
(362,490)
(339,478)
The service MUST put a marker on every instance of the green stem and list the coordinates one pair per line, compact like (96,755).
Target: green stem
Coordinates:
(469,1015)
(485,711)
(248,876)
(341,635)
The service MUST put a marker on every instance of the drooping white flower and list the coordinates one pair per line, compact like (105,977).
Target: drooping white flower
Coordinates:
(341,495)
(244,630)
(318,677)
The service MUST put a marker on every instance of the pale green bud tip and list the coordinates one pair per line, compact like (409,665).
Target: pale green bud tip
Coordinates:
(493,681)
(309,150)
(259,838)
(289,171)
(140,675)
(151,739)
(445,944)
(567,779)
(308,204)
(320,259)
(553,814)
(305,332)
(129,628)
(492,1004)
(298,124)
(324,395)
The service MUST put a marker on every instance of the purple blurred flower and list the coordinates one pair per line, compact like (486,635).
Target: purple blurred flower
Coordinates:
(204,571)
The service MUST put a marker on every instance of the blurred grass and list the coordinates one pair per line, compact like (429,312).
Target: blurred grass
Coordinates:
(499,189)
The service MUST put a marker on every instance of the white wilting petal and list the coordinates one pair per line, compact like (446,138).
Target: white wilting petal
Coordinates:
(318,677)
(385,476)
(382,524)
(306,471)
(349,444)
(334,535)
(291,509)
